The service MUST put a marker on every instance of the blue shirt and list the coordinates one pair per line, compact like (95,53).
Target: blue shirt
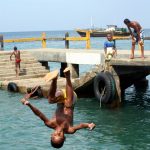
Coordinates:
(109,44)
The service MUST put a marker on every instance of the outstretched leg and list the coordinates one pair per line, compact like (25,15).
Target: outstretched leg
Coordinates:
(69,88)
(53,87)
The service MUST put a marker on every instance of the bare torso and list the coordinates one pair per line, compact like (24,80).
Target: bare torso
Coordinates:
(136,26)
(17,54)
(63,117)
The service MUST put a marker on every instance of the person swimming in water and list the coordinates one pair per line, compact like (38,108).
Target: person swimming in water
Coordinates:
(62,121)
(31,93)
(16,53)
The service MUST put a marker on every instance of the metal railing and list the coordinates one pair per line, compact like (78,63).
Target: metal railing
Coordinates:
(44,40)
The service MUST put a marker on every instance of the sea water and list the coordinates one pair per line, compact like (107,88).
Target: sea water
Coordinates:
(124,128)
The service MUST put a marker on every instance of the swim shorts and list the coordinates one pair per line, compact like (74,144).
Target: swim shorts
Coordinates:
(18,60)
(136,35)
(62,99)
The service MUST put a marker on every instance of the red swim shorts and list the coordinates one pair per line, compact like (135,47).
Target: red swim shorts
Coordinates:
(18,60)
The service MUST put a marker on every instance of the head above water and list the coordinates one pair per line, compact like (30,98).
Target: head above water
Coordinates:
(15,48)
(109,37)
(29,90)
(57,139)
(127,21)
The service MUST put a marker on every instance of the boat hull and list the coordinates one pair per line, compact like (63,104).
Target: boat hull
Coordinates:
(102,34)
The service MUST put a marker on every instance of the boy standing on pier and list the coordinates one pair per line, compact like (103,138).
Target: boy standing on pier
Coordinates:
(62,121)
(16,53)
(137,36)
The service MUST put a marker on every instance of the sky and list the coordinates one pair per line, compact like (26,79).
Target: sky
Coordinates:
(48,15)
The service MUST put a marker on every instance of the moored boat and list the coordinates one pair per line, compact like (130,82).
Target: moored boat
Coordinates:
(102,32)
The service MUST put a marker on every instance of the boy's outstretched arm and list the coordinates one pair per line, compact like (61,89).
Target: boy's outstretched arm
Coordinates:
(34,89)
(36,111)
(91,126)
(11,55)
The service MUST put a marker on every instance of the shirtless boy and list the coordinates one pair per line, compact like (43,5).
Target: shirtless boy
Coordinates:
(137,36)
(62,121)
(16,53)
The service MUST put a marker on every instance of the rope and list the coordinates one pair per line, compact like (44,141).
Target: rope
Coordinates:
(100,100)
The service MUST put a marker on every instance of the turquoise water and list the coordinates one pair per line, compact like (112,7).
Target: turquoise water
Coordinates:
(124,128)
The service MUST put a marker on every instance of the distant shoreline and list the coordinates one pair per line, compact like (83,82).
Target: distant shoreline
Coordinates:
(38,31)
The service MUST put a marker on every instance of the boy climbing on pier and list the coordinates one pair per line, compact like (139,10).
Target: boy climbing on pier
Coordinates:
(62,121)
(16,53)
(109,47)
(137,36)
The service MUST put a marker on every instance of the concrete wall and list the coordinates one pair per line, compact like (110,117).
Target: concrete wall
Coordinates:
(72,56)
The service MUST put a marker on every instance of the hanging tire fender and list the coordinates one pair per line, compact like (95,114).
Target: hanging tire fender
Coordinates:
(12,87)
(113,85)
(104,87)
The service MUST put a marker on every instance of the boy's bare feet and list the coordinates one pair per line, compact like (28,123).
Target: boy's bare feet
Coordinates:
(142,57)
(52,75)
(131,57)
(67,72)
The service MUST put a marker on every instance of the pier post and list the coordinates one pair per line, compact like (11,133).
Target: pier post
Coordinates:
(74,67)
(64,65)
(88,44)
(45,64)
(1,42)
(66,41)
(43,40)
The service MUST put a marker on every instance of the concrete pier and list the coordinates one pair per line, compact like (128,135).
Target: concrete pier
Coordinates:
(124,71)
(32,72)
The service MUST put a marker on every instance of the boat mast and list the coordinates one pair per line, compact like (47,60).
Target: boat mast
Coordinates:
(92,25)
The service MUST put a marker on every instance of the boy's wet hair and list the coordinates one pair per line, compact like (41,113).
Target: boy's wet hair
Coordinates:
(28,90)
(126,21)
(57,145)
(15,48)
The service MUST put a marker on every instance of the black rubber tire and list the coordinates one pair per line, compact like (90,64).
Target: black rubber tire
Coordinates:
(113,86)
(104,80)
(12,87)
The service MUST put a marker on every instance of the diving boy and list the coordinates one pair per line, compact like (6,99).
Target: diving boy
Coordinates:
(62,121)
